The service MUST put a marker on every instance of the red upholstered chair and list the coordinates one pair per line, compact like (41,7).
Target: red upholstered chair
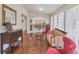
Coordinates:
(47,28)
(69,48)
(46,31)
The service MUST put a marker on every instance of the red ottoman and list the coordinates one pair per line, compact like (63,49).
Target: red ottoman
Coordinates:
(53,51)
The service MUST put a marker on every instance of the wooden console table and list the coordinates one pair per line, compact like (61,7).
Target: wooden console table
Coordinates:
(9,38)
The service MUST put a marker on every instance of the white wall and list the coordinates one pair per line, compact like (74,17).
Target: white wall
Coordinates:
(37,16)
(0,14)
(2,28)
(20,9)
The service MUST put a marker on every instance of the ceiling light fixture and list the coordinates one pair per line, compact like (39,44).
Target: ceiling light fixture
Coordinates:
(41,9)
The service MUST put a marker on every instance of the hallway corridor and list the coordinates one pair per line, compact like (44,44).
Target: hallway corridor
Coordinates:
(32,46)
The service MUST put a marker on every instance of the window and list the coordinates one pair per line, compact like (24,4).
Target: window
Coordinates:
(52,22)
(55,21)
(61,21)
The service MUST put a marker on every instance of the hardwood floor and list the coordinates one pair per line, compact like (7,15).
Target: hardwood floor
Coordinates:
(32,45)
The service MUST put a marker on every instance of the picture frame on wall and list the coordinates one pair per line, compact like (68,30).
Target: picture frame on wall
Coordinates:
(23,18)
(8,15)
(23,21)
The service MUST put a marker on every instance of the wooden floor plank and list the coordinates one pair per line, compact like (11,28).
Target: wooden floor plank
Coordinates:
(32,46)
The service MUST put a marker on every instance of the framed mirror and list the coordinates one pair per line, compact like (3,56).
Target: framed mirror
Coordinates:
(8,15)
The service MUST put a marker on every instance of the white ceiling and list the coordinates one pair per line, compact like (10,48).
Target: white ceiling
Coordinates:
(47,8)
